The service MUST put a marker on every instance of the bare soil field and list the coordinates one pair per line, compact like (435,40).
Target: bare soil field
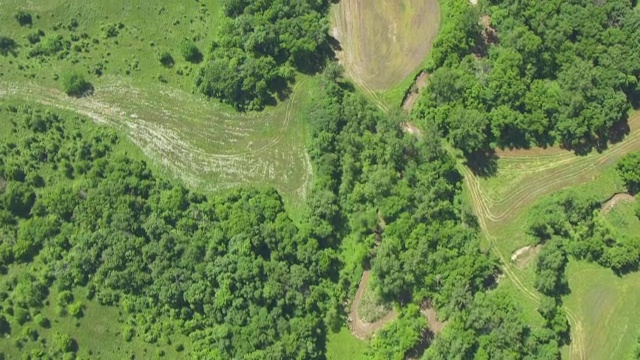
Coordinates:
(383,42)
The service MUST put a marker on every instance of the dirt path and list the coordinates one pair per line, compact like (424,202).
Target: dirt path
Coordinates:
(362,329)
(608,205)
(414,93)
(435,326)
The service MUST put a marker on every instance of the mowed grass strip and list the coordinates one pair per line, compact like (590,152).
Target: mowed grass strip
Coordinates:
(607,306)
(525,177)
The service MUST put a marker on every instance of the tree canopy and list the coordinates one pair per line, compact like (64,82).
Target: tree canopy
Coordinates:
(535,73)
(260,46)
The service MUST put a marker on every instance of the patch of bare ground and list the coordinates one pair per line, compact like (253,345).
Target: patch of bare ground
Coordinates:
(414,93)
(435,326)
(608,205)
(523,256)
(360,328)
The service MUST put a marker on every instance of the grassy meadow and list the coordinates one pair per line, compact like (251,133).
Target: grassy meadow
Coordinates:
(208,145)
(600,303)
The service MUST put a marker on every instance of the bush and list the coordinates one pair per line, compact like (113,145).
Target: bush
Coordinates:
(75,85)
(5,327)
(35,36)
(42,321)
(111,30)
(49,46)
(166,59)
(21,315)
(75,309)
(7,45)
(23,18)
(190,52)
(62,343)
(29,333)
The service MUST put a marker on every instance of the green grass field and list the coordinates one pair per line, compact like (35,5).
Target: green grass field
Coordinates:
(607,306)
(501,203)
(623,219)
(343,345)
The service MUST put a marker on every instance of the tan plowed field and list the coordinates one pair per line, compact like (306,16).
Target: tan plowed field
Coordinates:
(382,42)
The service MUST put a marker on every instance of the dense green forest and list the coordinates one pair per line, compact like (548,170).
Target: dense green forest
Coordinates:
(533,73)
(225,268)
(232,271)
(260,47)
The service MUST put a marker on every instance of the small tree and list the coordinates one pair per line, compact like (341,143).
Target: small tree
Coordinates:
(629,170)
(75,85)
(166,59)
(23,18)
(190,52)
(5,327)
(7,45)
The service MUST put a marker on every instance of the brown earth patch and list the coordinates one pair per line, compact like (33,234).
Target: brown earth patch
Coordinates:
(362,329)
(411,128)
(414,93)
(523,256)
(435,326)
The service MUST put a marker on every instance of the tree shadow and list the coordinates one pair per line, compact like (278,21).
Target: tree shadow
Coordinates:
(426,338)
(8,46)
(86,91)
(600,142)
(483,163)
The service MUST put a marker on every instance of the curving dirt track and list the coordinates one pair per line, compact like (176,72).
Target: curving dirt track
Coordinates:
(384,41)
(360,328)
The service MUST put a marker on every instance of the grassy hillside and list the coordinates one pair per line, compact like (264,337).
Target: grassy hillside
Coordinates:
(207,144)
(599,301)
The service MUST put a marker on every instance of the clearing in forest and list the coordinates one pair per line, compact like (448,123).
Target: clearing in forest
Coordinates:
(510,184)
(359,327)
(383,42)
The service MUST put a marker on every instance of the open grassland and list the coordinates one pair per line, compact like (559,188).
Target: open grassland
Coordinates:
(208,145)
(525,175)
(343,345)
(501,202)
(144,29)
(623,219)
(384,42)
(608,308)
